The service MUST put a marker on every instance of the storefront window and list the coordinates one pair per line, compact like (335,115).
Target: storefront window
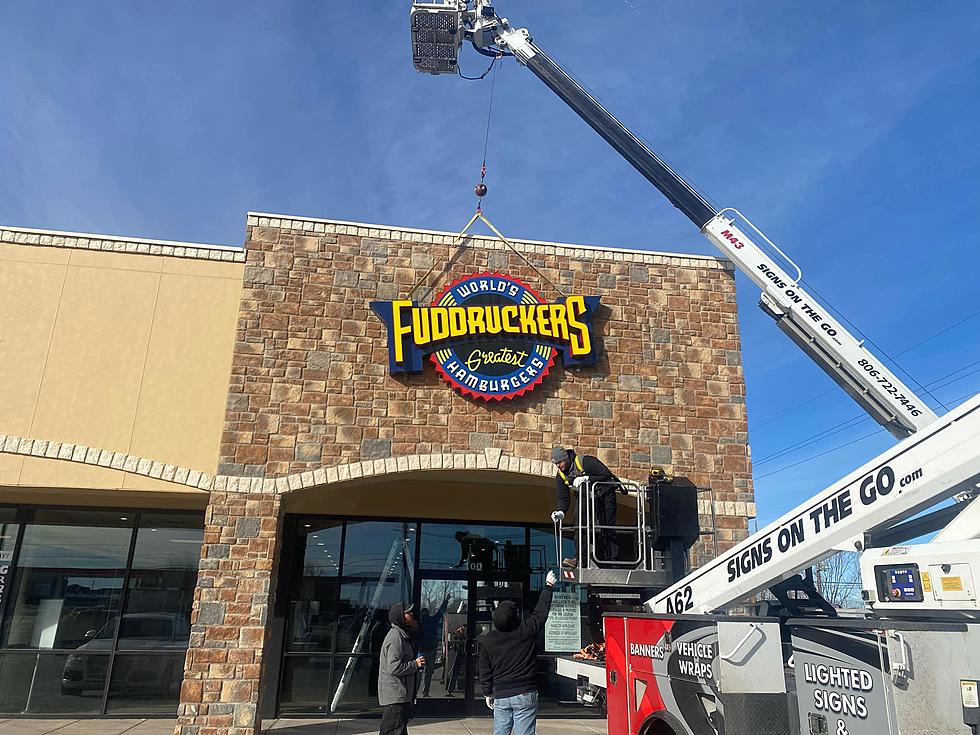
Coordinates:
(161,582)
(71,608)
(9,529)
(338,612)
(305,684)
(474,547)
(378,571)
(70,576)
(314,600)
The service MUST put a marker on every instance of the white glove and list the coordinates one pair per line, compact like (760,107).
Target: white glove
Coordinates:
(552,579)
(489,702)
(580,481)
(557,516)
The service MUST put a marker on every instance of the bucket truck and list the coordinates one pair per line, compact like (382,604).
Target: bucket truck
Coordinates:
(911,663)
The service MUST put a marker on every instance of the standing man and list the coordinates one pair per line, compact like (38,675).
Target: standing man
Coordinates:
(571,466)
(399,671)
(508,665)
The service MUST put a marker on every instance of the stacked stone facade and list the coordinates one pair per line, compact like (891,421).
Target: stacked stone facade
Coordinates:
(222,671)
(310,386)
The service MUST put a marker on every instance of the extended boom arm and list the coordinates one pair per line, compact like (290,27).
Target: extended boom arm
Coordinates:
(863,376)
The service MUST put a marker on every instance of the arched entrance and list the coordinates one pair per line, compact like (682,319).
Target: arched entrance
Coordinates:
(454,542)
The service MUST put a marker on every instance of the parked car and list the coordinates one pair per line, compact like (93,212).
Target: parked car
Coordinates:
(85,669)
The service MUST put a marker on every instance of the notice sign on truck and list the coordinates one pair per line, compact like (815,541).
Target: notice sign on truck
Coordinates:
(563,629)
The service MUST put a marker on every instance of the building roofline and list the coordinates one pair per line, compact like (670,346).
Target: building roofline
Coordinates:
(254,219)
(119,244)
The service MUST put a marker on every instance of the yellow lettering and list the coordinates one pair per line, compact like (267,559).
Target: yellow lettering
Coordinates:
(457,321)
(526,314)
(507,316)
(579,331)
(559,324)
(420,326)
(440,323)
(474,316)
(493,320)
(400,329)
(503,356)
(544,321)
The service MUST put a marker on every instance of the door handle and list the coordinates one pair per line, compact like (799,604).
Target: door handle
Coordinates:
(472,647)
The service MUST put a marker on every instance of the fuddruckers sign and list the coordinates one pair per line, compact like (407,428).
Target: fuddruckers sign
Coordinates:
(489,335)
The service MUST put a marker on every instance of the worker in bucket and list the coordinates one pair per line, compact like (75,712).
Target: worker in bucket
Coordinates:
(508,664)
(571,466)
(399,671)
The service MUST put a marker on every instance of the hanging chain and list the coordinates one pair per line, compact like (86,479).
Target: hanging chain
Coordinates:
(481,191)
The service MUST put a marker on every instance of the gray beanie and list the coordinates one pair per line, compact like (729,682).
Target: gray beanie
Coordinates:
(558,454)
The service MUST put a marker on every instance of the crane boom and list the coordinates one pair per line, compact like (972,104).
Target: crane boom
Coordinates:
(918,472)
(809,324)
(933,461)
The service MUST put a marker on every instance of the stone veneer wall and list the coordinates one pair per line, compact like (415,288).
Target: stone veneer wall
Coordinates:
(223,667)
(310,385)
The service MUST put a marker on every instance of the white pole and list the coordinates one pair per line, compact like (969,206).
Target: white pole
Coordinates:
(362,635)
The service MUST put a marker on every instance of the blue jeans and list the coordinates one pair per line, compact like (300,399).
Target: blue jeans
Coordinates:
(519,713)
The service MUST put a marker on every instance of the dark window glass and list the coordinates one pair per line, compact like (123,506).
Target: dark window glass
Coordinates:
(145,682)
(378,566)
(543,554)
(354,688)
(313,606)
(474,547)
(161,584)
(8,540)
(305,684)
(16,674)
(68,683)
(69,579)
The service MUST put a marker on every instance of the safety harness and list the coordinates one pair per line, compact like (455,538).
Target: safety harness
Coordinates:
(578,463)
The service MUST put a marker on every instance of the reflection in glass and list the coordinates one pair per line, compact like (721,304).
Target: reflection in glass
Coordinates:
(161,583)
(305,684)
(313,599)
(67,683)
(442,627)
(16,672)
(68,593)
(378,569)
(145,682)
(379,561)
(358,694)
(70,575)
(473,547)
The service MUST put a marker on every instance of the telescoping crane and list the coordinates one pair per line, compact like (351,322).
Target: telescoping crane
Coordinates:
(685,668)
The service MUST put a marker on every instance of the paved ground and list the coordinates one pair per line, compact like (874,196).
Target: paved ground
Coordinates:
(290,727)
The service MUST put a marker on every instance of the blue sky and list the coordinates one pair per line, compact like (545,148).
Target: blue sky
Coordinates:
(846,130)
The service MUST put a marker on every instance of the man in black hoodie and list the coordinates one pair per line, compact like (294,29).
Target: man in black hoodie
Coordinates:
(508,663)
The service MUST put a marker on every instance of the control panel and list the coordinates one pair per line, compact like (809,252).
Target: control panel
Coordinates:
(899,583)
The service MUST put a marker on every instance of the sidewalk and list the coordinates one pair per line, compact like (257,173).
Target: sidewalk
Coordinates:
(474,726)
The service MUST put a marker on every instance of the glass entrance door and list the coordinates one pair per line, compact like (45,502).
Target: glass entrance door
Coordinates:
(455,609)
(487,595)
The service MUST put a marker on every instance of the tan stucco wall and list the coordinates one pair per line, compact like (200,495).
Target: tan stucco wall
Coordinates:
(125,352)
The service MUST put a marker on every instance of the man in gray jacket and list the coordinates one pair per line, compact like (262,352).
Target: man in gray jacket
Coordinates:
(399,671)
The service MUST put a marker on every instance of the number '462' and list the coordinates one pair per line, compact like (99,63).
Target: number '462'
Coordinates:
(680,601)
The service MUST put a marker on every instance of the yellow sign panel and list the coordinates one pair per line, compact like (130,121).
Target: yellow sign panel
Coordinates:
(952,584)
(926,582)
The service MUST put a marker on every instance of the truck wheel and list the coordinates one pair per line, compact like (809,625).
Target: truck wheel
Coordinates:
(657,727)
